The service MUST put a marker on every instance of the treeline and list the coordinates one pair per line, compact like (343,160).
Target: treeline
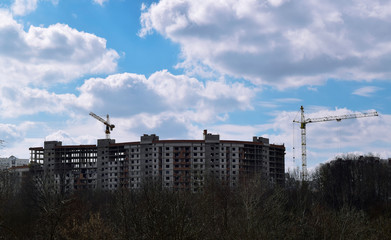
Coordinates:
(346,199)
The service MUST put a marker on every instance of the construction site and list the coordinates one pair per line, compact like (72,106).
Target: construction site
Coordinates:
(177,164)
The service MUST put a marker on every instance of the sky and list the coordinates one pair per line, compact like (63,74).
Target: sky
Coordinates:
(239,68)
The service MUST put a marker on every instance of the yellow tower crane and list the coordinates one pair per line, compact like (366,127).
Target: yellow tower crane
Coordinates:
(109,127)
(303,122)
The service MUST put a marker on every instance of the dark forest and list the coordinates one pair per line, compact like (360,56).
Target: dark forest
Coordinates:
(347,198)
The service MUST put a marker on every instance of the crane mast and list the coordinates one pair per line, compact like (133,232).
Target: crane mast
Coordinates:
(303,122)
(109,127)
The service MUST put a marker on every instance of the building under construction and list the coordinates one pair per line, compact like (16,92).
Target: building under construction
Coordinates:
(176,164)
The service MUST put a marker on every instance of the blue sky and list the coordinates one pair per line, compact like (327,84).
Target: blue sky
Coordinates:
(238,68)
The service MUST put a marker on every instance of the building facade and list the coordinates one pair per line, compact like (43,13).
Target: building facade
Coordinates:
(176,164)
(12,161)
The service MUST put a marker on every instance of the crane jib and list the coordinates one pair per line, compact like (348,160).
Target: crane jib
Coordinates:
(109,127)
(303,123)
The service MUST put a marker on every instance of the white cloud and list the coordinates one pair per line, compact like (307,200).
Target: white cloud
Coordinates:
(100,2)
(161,97)
(62,136)
(275,103)
(43,56)
(167,104)
(366,91)
(164,92)
(15,102)
(143,7)
(10,132)
(276,42)
(24,7)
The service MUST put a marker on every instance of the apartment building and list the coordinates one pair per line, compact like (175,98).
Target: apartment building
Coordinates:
(176,164)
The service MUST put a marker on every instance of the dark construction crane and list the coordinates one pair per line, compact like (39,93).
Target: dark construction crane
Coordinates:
(303,122)
(109,127)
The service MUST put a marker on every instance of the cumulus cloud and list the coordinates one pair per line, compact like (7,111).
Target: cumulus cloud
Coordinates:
(166,104)
(47,55)
(165,94)
(145,103)
(15,102)
(277,42)
(367,91)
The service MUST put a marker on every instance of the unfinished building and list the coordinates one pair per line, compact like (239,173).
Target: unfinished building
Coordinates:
(176,164)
